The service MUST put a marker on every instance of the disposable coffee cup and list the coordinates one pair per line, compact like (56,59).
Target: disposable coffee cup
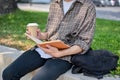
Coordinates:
(32,28)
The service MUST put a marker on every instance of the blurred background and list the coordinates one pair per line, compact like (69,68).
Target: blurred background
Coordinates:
(98,3)
(106,9)
(104,3)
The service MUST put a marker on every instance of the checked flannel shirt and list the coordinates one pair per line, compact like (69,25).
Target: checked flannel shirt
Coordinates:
(76,27)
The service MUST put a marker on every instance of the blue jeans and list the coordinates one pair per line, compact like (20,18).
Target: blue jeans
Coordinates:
(30,60)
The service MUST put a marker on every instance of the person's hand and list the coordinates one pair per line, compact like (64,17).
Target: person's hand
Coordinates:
(28,32)
(51,51)
(39,34)
(37,31)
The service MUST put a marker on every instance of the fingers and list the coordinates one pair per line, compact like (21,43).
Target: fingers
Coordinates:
(46,50)
(39,34)
(50,47)
(38,30)
(29,33)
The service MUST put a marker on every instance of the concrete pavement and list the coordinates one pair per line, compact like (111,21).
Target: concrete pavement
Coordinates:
(8,55)
(34,7)
(111,13)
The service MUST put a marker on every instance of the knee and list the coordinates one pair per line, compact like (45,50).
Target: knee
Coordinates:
(5,74)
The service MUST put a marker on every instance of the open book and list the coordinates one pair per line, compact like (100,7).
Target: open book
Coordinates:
(55,43)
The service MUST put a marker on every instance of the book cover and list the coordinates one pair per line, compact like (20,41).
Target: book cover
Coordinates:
(55,43)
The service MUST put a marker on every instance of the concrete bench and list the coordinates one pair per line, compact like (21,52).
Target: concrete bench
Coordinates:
(7,55)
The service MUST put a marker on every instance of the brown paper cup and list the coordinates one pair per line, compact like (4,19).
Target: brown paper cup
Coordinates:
(32,28)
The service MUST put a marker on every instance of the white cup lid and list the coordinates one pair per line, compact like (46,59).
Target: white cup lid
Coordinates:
(32,24)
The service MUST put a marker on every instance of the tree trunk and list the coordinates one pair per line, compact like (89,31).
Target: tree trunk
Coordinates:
(7,6)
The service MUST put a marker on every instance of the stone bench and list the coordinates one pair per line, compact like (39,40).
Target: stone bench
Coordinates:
(7,55)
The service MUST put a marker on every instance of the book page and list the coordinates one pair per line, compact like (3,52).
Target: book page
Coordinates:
(43,54)
(40,51)
(33,38)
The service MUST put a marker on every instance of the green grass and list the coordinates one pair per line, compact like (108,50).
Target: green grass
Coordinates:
(107,35)
(13,26)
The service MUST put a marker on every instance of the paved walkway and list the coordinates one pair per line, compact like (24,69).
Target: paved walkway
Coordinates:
(34,7)
(7,55)
(112,13)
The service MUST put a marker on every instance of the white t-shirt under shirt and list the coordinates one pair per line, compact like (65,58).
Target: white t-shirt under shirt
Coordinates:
(66,6)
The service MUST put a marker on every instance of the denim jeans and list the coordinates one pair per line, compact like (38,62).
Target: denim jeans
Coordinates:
(30,60)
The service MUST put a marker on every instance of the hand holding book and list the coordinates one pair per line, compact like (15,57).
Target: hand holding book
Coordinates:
(55,43)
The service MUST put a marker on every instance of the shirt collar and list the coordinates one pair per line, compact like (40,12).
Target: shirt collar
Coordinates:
(82,1)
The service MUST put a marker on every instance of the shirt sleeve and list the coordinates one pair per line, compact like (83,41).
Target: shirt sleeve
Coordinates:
(48,18)
(86,33)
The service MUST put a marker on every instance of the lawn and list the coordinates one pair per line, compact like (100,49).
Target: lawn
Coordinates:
(13,26)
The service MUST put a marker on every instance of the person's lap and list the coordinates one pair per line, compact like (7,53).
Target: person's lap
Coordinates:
(52,69)
(31,60)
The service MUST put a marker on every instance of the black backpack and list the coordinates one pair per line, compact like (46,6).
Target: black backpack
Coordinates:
(94,63)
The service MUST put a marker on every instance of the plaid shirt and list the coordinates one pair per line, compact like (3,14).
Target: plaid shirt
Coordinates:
(76,27)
